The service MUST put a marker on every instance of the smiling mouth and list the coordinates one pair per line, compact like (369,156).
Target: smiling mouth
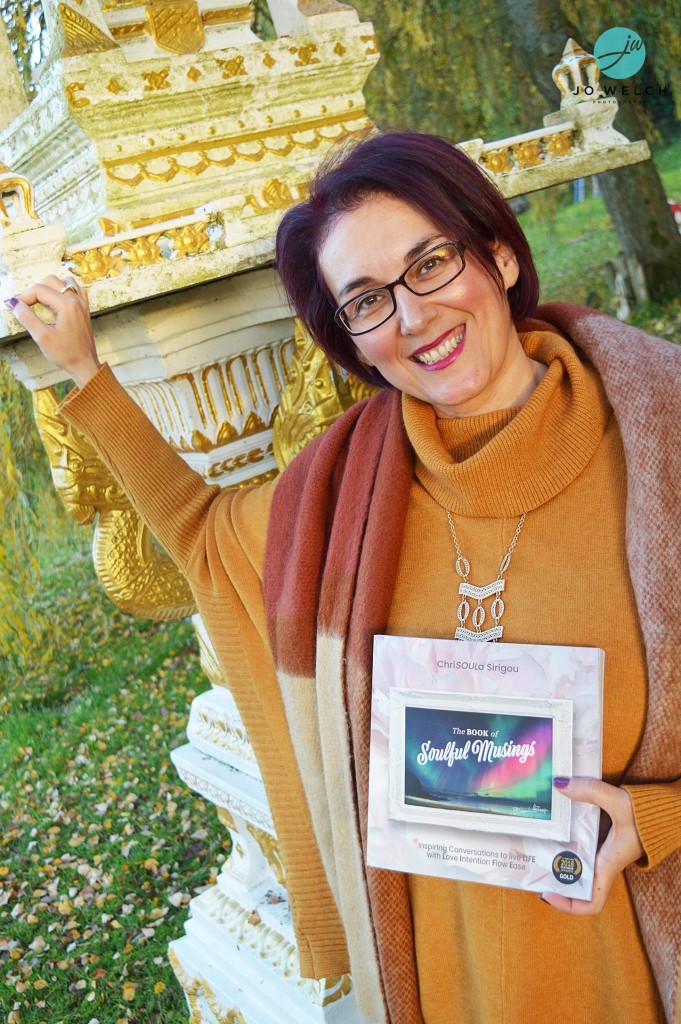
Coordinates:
(436,353)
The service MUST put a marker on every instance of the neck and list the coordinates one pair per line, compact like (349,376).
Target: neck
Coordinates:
(510,387)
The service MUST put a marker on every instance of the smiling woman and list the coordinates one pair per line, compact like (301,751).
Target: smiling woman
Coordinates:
(464,319)
(411,271)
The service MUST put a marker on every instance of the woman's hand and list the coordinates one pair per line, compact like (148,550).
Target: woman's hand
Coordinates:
(622,845)
(68,340)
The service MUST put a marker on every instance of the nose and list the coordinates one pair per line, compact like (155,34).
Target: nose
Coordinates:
(414,312)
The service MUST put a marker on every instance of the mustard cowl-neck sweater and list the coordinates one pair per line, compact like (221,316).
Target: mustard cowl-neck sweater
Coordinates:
(488,955)
(483,954)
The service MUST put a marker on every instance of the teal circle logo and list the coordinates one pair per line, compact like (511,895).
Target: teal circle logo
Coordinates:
(620,52)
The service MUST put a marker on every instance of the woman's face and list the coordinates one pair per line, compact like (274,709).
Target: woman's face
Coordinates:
(486,370)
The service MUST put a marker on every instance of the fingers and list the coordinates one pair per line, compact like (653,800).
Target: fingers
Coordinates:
(67,341)
(611,799)
(606,871)
(26,317)
(621,847)
(53,292)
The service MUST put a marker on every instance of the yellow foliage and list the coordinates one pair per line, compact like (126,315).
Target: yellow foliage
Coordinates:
(21,623)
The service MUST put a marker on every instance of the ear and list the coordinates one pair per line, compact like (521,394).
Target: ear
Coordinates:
(506,261)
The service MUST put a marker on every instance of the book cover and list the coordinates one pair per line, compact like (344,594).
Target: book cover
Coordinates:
(465,741)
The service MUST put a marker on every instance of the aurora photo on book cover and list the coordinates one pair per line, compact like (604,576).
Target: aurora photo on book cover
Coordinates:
(478,761)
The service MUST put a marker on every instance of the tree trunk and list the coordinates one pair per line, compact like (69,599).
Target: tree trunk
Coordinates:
(633,195)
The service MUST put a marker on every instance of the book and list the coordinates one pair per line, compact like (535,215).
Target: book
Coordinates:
(466,739)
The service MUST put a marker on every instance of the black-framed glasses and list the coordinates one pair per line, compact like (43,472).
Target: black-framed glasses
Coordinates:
(429,272)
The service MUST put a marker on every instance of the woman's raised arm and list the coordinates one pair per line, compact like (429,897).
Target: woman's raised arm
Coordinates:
(174,500)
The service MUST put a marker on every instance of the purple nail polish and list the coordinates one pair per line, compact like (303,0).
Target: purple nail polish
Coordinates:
(560,782)
(11,302)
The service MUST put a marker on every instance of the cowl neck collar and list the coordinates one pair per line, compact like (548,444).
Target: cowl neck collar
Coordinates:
(511,461)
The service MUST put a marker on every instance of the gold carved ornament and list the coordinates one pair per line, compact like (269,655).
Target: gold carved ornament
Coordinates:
(498,161)
(19,189)
(279,142)
(135,575)
(315,396)
(559,144)
(269,847)
(527,154)
(113,258)
(197,987)
(276,195)
(176,25)
(570,73)
(80,35)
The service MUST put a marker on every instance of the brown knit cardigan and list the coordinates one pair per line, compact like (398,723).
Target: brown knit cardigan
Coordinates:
(336,527)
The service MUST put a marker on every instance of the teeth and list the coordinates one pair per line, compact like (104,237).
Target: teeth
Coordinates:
(433,355)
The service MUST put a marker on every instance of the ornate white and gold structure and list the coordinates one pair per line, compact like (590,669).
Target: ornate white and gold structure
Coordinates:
(149,147)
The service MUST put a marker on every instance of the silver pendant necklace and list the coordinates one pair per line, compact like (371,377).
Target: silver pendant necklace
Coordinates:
(479,594)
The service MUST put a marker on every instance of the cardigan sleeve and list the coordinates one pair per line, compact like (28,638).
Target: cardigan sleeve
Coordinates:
(173,499)
(657,812)
(217,538)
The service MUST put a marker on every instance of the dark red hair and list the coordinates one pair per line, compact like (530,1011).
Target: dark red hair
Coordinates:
(431,175)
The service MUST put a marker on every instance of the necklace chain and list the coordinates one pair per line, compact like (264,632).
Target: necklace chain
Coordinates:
(479,594)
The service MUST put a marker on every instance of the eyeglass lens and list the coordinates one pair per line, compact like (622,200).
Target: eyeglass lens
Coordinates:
(434,270)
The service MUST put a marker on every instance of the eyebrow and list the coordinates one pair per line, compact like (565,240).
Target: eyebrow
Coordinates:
(415,251)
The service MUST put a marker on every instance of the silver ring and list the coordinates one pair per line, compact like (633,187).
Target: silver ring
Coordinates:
(70,286)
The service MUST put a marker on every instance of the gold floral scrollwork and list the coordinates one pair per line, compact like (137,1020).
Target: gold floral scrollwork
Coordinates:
(72,98)
(498,161)
(559,144)
(269,847)
(156,79)
(527,154)
(190,240)
(20,199)
(135,575)
(305,55)
(227,15)
(314,397)
(197,988)
(92,264)
(372,45)
(231,68)
(176,25)
(108,226)
(133,30)
(276,195)
(80,35)
(142,251)
(227,819)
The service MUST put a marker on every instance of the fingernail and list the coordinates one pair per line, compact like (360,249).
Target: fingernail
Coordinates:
(560,782)
(543,898)
(11,302)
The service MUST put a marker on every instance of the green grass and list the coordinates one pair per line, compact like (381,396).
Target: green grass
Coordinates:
(572,243)
(102,846)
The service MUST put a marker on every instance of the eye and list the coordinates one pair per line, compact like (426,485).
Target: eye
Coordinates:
(431,263)
(368,301)
(366,304)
